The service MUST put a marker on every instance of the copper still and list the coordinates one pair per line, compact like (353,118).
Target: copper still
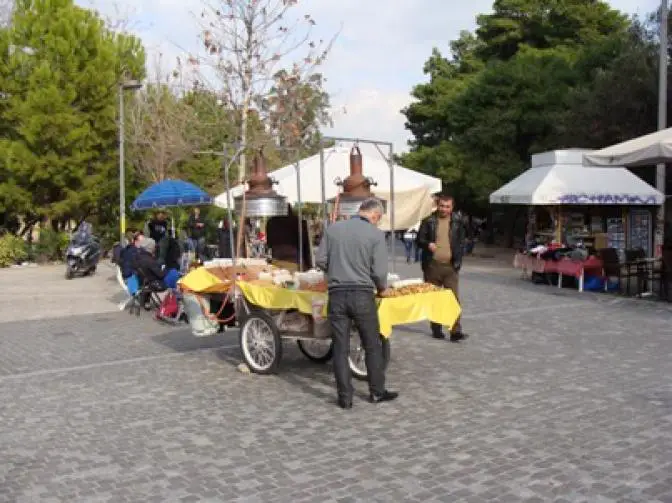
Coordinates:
(356,185)
(356,188)
(260,200)
(259,181)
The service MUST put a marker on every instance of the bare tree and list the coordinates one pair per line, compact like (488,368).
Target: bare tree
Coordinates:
(296,109)
(163,129)
(246,44)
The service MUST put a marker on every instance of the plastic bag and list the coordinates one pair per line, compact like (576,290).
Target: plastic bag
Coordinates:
(169,306)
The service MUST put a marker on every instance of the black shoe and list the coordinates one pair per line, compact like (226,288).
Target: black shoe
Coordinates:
(385,396)
(458,337)
(438,335)
(345,403)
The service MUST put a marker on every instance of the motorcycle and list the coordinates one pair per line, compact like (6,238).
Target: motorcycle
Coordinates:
(82,255)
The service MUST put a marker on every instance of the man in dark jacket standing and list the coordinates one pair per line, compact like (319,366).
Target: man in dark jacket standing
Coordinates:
(196,228)
(353,253)
(441,237)
(157,228)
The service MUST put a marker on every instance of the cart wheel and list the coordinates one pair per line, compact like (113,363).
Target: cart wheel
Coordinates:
(260,343)
(357,356)
(317,350)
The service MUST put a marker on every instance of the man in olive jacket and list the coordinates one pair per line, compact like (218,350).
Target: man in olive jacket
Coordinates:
(441,238)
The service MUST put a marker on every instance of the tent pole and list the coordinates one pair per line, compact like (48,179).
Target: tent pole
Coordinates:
(662,124)
(323,188)
(390,163)
(298,195)
(227,166)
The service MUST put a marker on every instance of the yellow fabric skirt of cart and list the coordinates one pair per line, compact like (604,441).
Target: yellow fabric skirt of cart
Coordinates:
(438,306)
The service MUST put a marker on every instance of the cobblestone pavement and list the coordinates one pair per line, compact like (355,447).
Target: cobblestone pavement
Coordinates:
(557,396)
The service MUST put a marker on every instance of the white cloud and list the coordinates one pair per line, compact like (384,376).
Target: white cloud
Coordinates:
(376,60)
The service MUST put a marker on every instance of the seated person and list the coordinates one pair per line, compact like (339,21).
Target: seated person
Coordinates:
(170,252)
(147,267)
(282,238)
(128,254)
(170,255)
(83,235)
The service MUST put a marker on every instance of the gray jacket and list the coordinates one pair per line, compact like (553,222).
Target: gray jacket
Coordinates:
(353,254)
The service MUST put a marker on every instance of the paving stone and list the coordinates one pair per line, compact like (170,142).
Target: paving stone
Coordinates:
(558,396)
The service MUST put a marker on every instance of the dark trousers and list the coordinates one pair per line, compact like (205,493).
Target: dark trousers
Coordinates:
(445,276)
(198,245)
(359,307)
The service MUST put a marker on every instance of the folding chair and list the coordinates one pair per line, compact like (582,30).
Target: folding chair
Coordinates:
(611,266)
(635,268)
(146,297)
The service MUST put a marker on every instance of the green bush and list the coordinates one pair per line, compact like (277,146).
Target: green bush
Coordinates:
(13,250)
(51,245)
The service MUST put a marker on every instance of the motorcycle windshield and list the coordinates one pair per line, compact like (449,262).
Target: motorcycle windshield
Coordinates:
(83,235)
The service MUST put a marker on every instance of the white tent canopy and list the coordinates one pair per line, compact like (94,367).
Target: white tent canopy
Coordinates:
(560,178)
(410,207)
(337,165)
(650,149)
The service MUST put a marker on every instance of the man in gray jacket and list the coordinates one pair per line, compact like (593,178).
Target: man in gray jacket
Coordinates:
(353,254)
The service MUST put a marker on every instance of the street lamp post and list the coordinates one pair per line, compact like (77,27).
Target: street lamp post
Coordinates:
(130,85)
(662,122)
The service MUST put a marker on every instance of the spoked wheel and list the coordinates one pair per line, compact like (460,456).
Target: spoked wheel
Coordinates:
(317,350)
(357,355)
(260,343)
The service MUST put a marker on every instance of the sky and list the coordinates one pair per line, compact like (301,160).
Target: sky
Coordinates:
(375,60)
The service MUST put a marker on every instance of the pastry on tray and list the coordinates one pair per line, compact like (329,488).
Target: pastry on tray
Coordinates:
(410,290)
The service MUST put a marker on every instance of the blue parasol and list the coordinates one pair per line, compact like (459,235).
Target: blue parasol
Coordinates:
(171,193)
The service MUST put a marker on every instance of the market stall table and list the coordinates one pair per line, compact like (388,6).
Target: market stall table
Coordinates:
(529,264)
(563,267)
(577,269)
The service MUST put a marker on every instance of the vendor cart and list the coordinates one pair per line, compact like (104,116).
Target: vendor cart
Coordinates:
(268,314)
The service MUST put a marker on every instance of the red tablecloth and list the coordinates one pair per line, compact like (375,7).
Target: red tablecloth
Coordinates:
(568,267)
(564,266)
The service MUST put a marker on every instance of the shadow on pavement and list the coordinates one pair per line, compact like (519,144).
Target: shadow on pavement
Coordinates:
(180,339)
(295,369)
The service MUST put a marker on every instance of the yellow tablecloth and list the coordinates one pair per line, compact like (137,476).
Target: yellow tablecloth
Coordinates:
(439,307)
(274,297)
(201,281)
